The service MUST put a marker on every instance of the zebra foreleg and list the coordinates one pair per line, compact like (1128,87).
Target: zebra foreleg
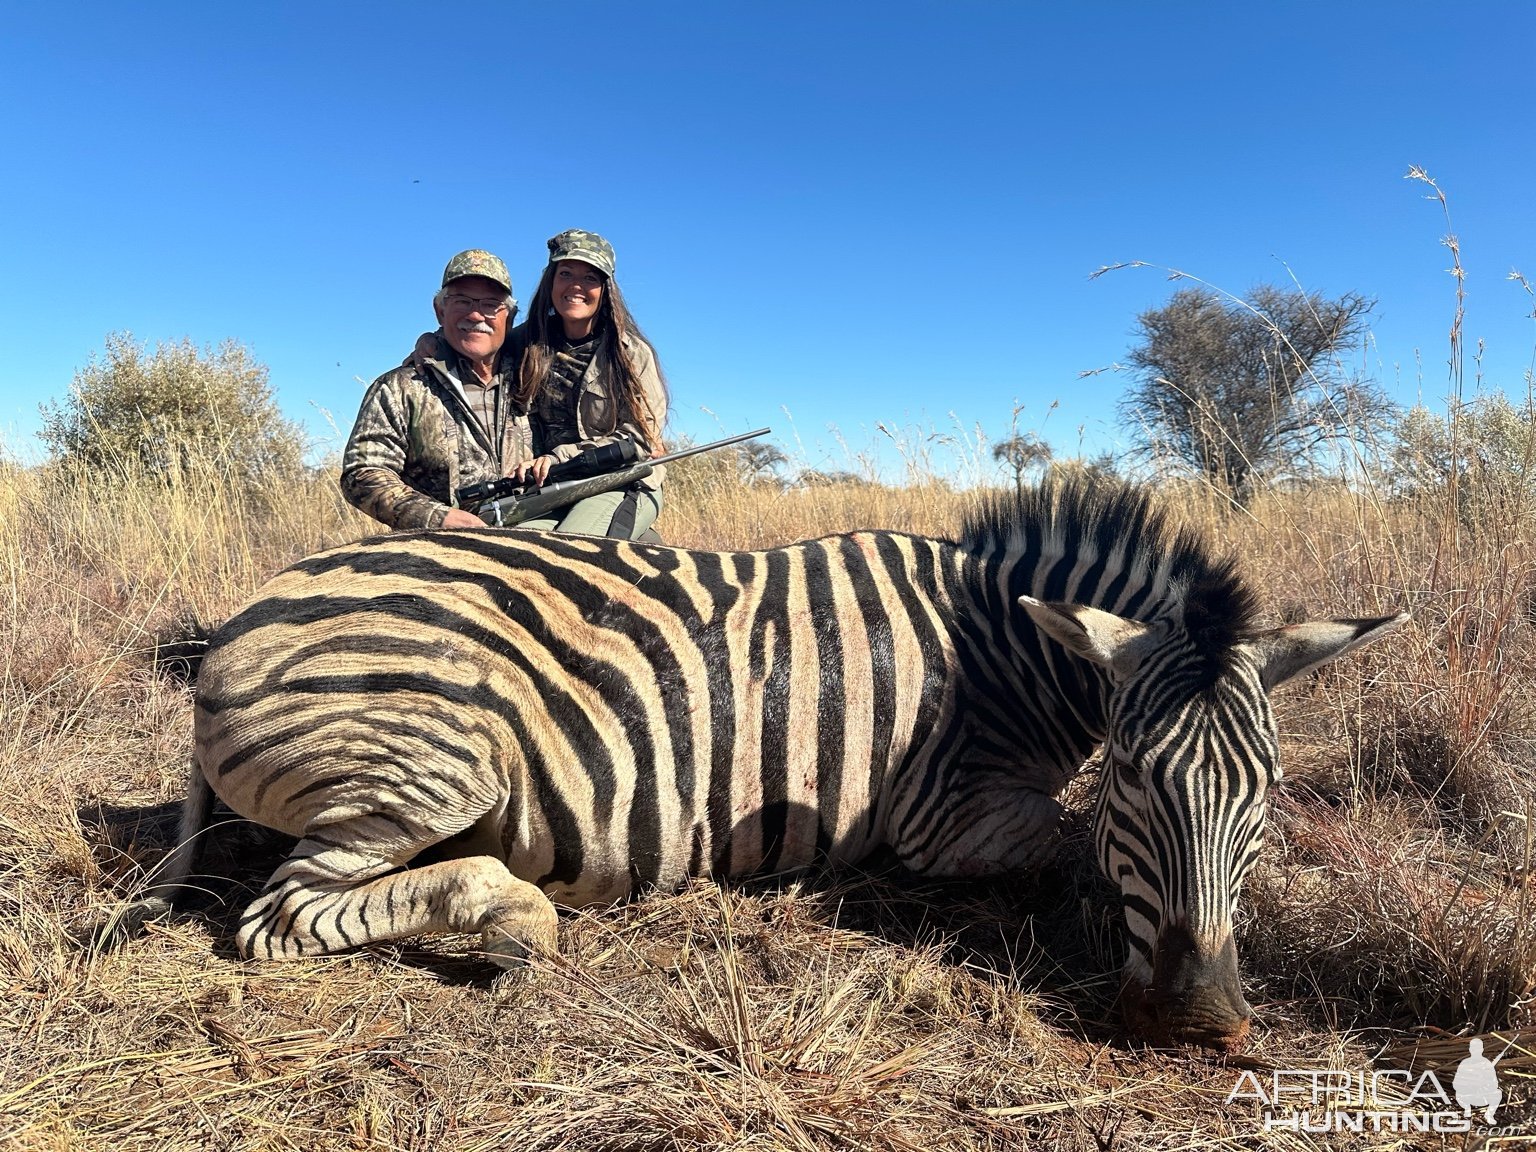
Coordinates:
(994,831)
(328,898)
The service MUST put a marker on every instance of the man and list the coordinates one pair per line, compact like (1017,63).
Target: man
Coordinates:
(424,432)
(1477,1082)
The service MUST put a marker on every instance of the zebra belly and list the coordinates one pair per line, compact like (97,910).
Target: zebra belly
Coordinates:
(660,826)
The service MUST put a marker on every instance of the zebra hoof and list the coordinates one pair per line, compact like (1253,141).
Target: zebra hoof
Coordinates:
(508,953)
(516,976)
(511,950)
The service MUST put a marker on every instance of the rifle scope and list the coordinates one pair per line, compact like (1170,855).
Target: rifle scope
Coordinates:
(604,458)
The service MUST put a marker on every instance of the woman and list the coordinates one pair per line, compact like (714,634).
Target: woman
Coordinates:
(589,377)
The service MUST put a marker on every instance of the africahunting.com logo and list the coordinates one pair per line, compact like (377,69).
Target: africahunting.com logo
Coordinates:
(1316,1100)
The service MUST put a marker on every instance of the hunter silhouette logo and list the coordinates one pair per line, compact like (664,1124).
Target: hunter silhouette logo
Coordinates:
(1477,1081)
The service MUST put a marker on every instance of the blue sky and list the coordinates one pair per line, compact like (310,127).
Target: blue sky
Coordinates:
(827,216)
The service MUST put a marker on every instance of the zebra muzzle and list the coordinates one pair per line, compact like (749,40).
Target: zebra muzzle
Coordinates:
(1195,996)
(1166,1023)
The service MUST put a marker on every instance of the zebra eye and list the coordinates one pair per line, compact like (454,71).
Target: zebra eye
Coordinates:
(1126,772)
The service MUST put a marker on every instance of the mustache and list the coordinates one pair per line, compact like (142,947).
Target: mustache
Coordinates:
(477,326)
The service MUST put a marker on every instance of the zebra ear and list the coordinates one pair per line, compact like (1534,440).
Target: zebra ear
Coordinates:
(1091,633)
(1288,652)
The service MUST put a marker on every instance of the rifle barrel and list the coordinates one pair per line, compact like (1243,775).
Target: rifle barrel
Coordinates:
(710,447)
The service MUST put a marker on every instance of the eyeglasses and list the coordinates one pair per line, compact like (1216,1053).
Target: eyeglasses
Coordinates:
(485,305)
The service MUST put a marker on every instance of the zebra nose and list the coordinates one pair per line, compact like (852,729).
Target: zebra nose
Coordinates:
(1195,996)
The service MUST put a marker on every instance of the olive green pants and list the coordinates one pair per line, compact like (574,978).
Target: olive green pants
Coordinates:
(605,515)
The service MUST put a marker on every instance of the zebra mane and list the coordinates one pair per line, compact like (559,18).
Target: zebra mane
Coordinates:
(1069,518)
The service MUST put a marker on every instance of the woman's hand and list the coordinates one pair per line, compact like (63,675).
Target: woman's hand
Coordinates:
(535,471)
(426,349)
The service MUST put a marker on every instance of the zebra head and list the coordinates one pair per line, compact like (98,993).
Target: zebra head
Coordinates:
(1188,760)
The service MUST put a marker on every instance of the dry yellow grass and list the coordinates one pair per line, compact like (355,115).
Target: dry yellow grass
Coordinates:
(1390,919)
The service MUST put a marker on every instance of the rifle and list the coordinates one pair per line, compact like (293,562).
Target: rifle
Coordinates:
(508,502)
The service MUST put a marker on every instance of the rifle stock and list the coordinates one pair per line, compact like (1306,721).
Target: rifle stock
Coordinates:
(511,508)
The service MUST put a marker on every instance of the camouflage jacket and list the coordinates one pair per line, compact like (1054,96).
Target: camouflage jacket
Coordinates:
(569,422)
(416,442)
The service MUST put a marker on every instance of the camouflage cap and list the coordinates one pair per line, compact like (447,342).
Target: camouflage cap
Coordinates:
(574,244)
(477,262)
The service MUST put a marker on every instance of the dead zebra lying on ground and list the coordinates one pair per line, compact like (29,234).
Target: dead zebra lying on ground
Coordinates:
(588,715)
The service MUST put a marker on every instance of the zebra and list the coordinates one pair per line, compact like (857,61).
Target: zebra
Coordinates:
(464,729)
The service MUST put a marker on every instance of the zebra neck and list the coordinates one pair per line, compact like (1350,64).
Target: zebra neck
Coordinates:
(1027,701)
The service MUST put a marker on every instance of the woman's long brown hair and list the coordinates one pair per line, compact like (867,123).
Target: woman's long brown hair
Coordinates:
(613,318)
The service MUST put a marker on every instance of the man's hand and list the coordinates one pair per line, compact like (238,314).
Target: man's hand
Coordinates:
(458,518)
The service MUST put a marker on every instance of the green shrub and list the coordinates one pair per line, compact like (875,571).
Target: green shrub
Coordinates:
(172,410)
(1480,458)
